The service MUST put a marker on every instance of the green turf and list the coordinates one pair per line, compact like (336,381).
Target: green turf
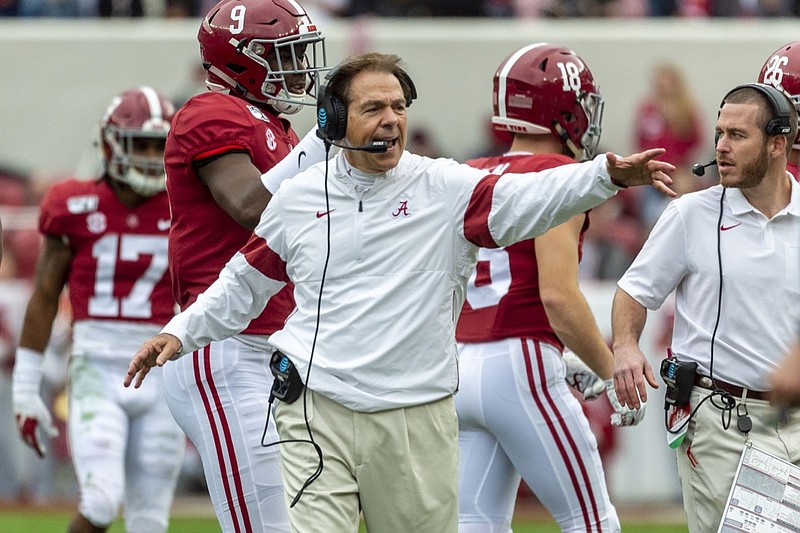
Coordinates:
(47,522)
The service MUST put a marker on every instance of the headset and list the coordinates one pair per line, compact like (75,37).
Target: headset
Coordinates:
(332,112)
(779,124)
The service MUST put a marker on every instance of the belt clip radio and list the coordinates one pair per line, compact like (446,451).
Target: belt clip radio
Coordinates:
(287,385)
(679,378)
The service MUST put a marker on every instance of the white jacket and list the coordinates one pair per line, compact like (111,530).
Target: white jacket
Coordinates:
(400,256)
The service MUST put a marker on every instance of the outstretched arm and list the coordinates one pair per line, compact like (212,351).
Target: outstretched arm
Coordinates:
(224,309)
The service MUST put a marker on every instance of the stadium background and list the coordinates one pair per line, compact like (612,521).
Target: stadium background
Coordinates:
(58,78)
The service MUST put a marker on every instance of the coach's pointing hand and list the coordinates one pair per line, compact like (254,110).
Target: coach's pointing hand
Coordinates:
(155,351)
(641,169)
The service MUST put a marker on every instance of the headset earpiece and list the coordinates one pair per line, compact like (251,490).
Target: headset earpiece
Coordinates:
(412,90)
(780,123)
(332,113)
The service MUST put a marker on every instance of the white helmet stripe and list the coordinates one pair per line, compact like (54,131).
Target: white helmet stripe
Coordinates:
(503,76)
(300,10)
(156,119)
(153,102)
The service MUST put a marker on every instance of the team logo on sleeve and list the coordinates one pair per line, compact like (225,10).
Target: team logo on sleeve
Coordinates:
(97,222)
(256,112)
(82,204)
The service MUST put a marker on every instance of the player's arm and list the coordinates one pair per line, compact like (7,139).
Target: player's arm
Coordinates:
(235,184)
(52,268)
(243,191)
(570,315)
(567,309)
(33,417)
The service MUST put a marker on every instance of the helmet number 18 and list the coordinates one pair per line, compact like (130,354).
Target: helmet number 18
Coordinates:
(570,77)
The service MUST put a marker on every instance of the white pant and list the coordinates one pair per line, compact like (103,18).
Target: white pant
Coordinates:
(124,445)
(517,416)
(219,396)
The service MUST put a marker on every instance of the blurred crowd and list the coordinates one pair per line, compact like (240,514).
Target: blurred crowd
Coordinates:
(420,8)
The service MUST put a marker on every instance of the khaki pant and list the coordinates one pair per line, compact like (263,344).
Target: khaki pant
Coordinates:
(709,455)
(400,467)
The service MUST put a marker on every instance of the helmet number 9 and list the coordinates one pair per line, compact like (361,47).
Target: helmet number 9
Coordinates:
(774,73)
(237,15)
(570,76)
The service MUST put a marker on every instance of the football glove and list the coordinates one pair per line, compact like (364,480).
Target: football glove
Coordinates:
(581,377)
(623,415)
(34,421)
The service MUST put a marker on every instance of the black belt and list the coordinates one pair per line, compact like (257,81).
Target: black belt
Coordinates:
(735,390)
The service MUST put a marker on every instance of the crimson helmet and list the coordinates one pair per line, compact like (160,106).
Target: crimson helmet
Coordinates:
(249,47)
(782,71)
(544,88)
(132,116)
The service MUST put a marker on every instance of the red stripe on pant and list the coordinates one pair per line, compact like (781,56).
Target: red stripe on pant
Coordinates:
(223,422)
(536,388)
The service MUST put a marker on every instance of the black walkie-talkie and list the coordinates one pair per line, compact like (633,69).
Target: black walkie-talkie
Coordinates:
(287,385)
(679,378)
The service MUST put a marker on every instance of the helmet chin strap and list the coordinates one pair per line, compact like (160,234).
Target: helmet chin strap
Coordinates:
(579,153)
(283,105)
(230,83)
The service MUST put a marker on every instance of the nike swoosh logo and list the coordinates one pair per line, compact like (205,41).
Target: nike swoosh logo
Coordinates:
(726,228)
(300,157)
(321,214)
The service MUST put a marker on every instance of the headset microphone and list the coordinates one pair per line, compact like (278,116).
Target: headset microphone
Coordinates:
(700,170)
(375,147)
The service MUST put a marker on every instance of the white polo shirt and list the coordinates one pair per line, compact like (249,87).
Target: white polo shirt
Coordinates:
(761,281)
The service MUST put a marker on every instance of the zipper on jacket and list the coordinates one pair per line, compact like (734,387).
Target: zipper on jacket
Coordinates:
(357,229)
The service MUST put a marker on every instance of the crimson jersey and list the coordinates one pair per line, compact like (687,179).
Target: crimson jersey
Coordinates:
(793,170)
(502,297)
(119,254)
(203,237)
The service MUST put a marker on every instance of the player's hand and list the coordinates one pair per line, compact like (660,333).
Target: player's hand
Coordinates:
(641,168)
(154,352)
(630,371)
(622,415)
(34,420)
(581,378)
(34,423)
